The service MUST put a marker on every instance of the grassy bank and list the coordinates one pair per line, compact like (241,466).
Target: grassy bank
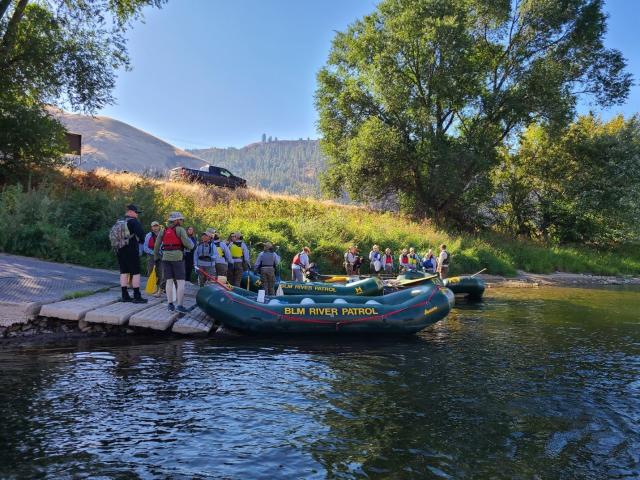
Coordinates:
(67,218)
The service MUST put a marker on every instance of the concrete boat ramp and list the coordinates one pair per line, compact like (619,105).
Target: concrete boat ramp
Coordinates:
(34,288)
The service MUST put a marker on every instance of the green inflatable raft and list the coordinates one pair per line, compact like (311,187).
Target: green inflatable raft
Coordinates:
(471,286)
(404,312)
(367,287)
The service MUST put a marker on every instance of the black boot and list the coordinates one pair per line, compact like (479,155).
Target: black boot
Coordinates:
(137,298)
(125,295)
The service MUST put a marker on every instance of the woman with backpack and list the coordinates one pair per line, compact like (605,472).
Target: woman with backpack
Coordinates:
(126,236)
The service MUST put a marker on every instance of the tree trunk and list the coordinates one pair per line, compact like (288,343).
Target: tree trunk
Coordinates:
(9,35)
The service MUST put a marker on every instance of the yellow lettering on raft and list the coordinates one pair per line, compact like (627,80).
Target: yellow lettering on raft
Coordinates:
(294,310)
(431,310)
(332,312)
(358,311)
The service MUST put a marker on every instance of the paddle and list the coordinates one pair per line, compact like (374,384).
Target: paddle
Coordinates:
(478,273)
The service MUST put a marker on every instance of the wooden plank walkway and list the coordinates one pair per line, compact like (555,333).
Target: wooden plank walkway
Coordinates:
(118,313)
(195,323)
(158,317)
(75,309)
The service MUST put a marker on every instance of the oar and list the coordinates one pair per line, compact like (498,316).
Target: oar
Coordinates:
(478,273)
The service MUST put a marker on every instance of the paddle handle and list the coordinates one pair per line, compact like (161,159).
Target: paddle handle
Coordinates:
(478,273)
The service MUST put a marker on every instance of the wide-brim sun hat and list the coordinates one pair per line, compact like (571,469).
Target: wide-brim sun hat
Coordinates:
(211,232)
(173,216)
(268,245)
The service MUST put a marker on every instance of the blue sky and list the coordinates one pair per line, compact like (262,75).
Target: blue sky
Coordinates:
(218,73)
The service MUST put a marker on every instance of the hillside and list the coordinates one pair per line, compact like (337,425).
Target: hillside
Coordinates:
(74,211)
(290,166)
(115,145)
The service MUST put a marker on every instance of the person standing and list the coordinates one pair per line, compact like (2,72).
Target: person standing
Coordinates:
(429,262)
(238,259)
(387,262)
(152,260)
(223,258)
(413,259)
(173,241)
(246,256)
(265,265)
(188,254)
(350,258)
(403,261)
(127,235)
(443,262)
(375,260)
(300,265)
(204,257)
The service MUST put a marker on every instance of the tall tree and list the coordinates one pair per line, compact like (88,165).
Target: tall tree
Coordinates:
(58,52)
(417,98)
(579,186)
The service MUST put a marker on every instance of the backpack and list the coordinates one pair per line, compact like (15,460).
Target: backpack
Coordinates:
(446,260)
(119,235)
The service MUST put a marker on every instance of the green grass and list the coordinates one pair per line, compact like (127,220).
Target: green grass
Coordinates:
(81,293)
(68,217)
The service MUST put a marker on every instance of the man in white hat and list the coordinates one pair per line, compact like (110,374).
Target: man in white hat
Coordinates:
(172,241)
(204,257)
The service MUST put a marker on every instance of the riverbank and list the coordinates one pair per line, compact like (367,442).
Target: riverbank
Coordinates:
(556,279)
(67,219)
(32,288)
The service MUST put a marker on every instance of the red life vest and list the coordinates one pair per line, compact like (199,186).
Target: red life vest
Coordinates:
(404,259)
(296,259)
(170,240)
(152,241)
(388,259)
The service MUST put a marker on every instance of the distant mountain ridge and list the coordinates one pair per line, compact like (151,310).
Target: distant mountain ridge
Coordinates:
(284,166)
(288,166)
(115,145)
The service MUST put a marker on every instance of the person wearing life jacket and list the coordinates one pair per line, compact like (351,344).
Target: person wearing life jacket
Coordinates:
(223,258)
(246,255)
(172,241)
(350,259)
(403,261)
(152,260)
(204,257)
(387,261)
(128,254)
(375,260)
(413,259)
(429,262)
(239,258)
(443,262)
(300,264)
(265,265)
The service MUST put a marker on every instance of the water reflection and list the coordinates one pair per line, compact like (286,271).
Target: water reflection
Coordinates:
(518,386)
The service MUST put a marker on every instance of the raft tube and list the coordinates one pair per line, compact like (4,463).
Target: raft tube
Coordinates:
(367,287)
(404,312)
(471,286)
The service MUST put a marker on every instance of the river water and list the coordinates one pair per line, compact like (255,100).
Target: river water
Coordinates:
(531,383)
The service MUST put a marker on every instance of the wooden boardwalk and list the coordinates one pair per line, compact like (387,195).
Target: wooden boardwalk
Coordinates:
(30,288)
